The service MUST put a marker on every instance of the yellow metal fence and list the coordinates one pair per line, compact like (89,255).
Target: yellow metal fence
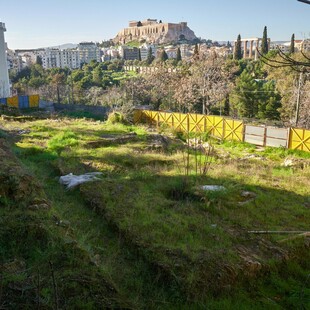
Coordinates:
(217,126)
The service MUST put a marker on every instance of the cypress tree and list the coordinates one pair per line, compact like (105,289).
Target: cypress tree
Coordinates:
(237,50)
(292,46)
(150,56)
(264,49)
(179,57)
(163,56)
(226,106)
(196,51)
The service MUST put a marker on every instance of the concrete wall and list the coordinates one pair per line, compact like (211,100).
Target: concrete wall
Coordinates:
(97,110)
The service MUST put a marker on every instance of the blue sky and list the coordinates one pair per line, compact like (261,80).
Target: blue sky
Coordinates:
(34,23)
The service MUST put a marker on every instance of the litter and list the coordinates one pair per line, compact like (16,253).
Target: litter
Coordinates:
(213,188)
(71,180)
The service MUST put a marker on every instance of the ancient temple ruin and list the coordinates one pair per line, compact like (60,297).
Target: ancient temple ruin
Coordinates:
(152,31)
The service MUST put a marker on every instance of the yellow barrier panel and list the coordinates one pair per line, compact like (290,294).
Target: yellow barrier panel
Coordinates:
(233,130)
(180,122)
(197,122)
(299,139)
(226,129)
(165,118)
(12,102)
(137,116)
(146,117)
(214,125)
(154,117)
(34,101)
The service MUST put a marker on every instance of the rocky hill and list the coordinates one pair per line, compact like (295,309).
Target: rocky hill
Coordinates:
(151,31)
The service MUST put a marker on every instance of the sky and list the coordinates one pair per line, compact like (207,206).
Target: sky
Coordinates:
(39,23)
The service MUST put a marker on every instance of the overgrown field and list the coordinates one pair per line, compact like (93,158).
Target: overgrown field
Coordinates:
(146,235)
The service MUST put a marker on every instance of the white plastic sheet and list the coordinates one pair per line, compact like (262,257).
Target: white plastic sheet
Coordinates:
(70,180)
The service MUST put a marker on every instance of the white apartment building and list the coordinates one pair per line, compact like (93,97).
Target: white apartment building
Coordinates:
(305,45)
(56,58)
(186,51)
(14,61)
(144,50)
(88,51)
(171,52)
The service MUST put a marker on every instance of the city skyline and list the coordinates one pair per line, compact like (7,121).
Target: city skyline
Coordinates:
(35,25)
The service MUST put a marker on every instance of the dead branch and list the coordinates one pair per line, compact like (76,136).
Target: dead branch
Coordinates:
(278,232)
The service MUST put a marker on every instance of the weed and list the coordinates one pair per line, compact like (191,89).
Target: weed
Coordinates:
(62,140)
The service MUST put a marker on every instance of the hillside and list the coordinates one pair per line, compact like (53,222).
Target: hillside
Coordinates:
(146,235)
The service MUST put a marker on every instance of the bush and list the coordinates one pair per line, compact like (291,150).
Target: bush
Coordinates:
(116,117)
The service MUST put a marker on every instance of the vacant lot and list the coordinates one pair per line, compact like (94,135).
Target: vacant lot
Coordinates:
(151,230)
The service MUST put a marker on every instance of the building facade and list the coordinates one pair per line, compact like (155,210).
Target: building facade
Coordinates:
(4,74)
(88,51)
(56,58)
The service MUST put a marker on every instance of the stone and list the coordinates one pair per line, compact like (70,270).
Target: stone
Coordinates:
(252,267)
(295,163)
(41,206)
(288,162)
(247,194)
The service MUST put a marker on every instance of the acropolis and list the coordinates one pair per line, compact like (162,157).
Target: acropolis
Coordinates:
(152,31)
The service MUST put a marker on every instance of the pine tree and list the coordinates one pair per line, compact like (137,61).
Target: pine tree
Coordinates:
(179,57)
(269,102)
(150,56)
(264,48)
(292,46)
(244,97)
(237,50)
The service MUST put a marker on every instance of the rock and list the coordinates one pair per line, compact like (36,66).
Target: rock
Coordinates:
(247,194)
(63,223)
(252,267)
(110,139)
(36,207)
(197,143)
(254,156)
(295,163)
(288,162)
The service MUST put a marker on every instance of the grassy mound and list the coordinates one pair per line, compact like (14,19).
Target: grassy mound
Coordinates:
(150,228)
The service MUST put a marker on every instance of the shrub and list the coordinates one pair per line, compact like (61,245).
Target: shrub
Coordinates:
(116,117)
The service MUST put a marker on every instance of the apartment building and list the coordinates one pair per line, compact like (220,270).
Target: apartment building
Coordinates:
(14,61)
(56,58)
(88,51)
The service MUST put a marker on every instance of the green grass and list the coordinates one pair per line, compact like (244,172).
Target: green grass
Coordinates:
(151,229)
